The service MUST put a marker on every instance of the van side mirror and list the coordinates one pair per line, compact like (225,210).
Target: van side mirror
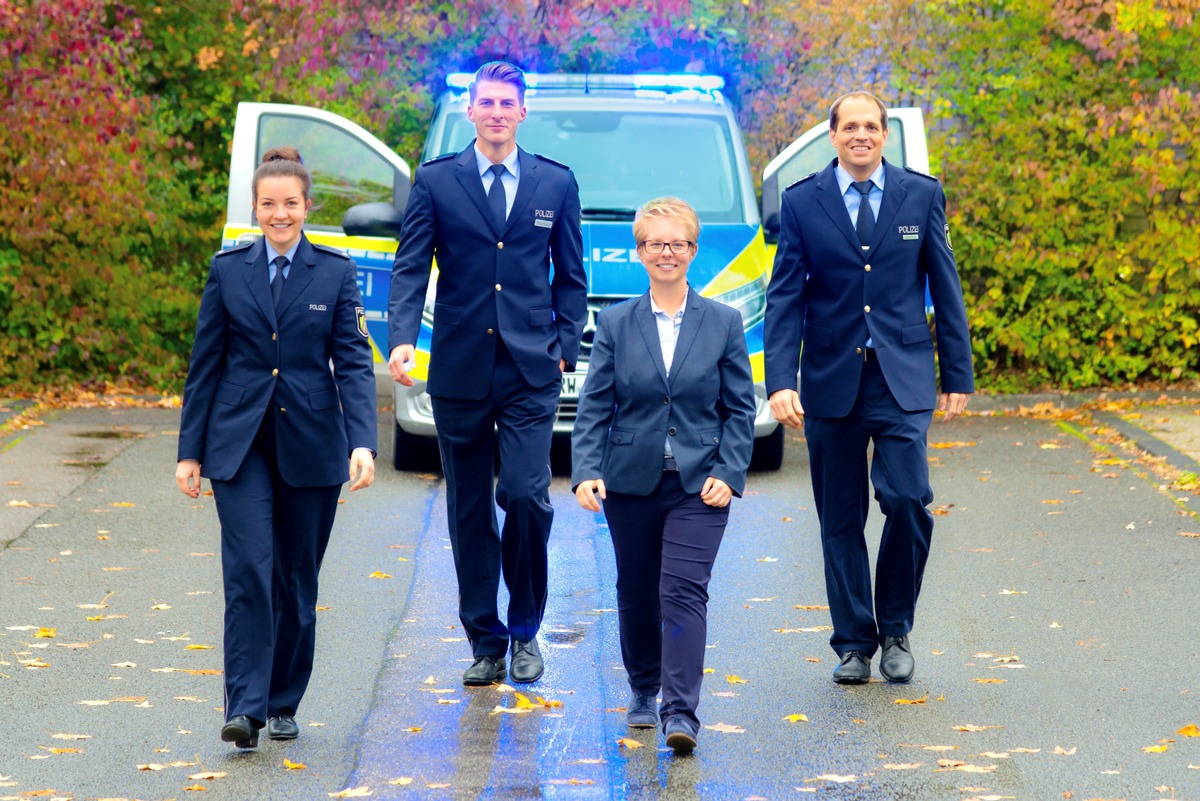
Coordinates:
(771,200)
(373,219)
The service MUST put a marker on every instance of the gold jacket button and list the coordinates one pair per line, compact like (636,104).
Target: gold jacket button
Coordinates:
(500,246)
(490,332)
(275,372)
(867,268)
(867,309)
(274,336)
(282,410)
(498,287)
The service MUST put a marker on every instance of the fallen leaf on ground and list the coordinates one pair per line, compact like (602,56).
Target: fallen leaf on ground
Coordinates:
(904,766)
(993,754)
(377,575)
(726,728)
(61,750)
(734,679)
(796,718)
(769,559)
(921,700)
(989,681)
(290,765)
(1058,749)
(972,727)
(1189,730)
(161,607)
(70,736)
(46,634)
(357,792)
(1156,749)
(626,742)
(833,777)
(811,607)
(402,781)
(122,504)
(208,775)
(124,664)
(930,747)
(1024,750)
(198,647)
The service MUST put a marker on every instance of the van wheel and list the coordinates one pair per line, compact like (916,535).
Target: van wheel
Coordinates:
(412,452)
(768,451)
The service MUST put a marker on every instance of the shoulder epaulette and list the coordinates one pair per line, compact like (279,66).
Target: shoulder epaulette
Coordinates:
(552,161)
(918,172)
(802,180)
(436,159)
(333,251)
(234,249)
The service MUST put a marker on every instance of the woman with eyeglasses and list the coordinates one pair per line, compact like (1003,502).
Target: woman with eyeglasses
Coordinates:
(662,439)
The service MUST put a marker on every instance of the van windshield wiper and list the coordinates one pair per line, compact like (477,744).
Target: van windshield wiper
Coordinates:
(592,213)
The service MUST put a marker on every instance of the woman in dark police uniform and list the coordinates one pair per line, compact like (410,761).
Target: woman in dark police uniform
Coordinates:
(663,437)
(271,425)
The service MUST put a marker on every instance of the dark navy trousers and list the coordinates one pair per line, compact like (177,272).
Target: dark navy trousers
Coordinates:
(273,538)
(519,419)
(665,544)
(837,450)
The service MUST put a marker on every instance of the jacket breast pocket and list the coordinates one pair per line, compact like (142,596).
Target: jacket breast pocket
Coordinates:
(444,314)
(541,317)
(911,334)
(229,394)
(620,436)
(321,399)
(817,335)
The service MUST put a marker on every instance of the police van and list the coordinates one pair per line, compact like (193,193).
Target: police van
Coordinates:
(628,138)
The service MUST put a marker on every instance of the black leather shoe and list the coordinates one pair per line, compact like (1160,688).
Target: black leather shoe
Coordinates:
(854,669)
(896,663)
(282,727)
(526,663)
(240,731)
(642,712)
(486,670)
(680,735)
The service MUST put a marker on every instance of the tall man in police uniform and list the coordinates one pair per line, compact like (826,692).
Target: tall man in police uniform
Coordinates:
(504,331)
(858,242)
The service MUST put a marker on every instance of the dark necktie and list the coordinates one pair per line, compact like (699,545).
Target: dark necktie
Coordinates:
(496,199)
(277,281)
(865,225)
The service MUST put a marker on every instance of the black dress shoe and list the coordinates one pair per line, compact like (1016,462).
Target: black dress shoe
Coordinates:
(241,731)
(680,735)
(642,712)
(896,663)
(526,664)
(486,670)
(282,727)
(854,669)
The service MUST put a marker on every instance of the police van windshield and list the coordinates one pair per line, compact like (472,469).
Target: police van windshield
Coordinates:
(622,159)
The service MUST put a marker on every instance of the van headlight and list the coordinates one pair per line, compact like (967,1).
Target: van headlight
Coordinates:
(749,299)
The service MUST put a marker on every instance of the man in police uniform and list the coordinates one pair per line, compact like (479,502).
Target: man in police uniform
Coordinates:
(858,242)
(503,334)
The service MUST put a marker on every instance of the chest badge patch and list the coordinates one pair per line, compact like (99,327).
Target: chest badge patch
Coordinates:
(360,315)
(910,231)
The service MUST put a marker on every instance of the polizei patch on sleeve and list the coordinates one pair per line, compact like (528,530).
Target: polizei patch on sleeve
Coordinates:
(948,243)
(360,314)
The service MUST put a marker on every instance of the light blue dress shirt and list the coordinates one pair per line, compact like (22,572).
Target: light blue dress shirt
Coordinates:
(273,254)
(668,333)
(853,197)
(512,175)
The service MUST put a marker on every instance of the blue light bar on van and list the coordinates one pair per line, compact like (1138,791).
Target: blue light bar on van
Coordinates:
(567,80)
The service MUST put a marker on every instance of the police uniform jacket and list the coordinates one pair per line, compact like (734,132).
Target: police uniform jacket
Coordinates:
(491,281)
(249,359)
(830,295)
(630,407)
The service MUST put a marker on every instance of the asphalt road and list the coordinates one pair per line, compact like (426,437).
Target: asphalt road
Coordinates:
(1058,624)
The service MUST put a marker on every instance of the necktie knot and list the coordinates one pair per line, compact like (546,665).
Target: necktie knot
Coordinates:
(864,187)
(497,170)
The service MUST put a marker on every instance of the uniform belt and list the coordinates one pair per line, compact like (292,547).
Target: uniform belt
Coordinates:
(670,465)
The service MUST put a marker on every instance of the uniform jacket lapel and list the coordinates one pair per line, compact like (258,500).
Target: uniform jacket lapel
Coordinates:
(468,175)
(644,319)
(258,279)
(831,200)
(526,186)
(895,189)
(693,319)
(299,276)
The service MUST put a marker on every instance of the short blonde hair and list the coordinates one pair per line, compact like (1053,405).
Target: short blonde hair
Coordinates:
(666,208)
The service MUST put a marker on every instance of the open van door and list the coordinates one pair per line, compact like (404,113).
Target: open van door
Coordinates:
(813,151)
(360,188)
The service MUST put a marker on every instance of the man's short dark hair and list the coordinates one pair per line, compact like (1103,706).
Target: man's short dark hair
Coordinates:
(833,110)
(500,71)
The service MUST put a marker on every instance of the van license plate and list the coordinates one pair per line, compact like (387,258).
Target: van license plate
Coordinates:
(572,383)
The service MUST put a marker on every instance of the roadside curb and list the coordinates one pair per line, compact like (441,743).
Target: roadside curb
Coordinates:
(1150,443)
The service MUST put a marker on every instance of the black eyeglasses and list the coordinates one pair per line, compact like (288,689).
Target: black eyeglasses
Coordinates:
(678,247)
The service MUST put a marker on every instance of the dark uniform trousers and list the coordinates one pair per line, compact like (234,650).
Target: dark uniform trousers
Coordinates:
(837,450)
(273,538)
(665,545)
(519,418)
